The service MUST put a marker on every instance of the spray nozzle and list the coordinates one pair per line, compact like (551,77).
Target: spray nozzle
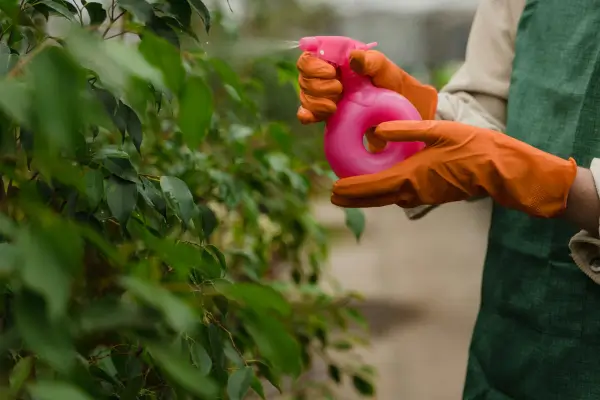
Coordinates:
(334,49)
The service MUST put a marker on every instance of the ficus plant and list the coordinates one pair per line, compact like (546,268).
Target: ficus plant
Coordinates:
(156,240)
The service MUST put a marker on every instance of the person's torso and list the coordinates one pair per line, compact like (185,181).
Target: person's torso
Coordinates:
(538,331)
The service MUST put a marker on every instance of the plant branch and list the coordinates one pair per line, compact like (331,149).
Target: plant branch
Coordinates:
(113,19)
(218,323)
(23,61)
(117,35)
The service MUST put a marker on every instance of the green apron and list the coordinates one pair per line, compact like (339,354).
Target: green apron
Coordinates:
(537,334)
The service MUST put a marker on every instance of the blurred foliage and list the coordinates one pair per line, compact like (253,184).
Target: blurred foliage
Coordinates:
(259,46)
(288,18)
(442,75)
(157,241)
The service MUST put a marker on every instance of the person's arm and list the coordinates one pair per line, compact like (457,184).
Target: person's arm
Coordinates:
(583,203)
(583,209)
(477,94)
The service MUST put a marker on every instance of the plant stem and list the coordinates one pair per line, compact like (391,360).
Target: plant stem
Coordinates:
(117,35)
(113,19)
(25,60)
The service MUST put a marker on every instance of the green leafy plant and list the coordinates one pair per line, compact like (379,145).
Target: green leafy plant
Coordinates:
(156,237)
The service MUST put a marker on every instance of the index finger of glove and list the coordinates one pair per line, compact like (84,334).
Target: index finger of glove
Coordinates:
(313,67)
(364,202)
(428,132)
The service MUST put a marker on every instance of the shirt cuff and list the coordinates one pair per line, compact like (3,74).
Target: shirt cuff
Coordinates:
(585,248)
(585,251)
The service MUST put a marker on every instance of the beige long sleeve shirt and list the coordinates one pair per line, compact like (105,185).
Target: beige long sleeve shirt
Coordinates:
(477,95)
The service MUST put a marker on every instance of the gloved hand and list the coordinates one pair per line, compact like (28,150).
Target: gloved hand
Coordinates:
(460,162)
(321,88)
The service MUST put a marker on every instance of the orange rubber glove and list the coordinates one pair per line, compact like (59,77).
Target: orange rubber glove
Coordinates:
(460,162)
(321,88)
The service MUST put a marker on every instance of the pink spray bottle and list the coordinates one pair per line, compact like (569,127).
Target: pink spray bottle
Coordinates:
(362,106)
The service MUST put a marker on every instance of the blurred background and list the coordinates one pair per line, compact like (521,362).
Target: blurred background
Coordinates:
(420,279)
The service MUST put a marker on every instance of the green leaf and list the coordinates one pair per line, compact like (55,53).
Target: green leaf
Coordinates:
(121,197)
(7,59)
(216,347)
(227,74)
(59,9)
(48,339)
(118,164)
(115,62)
(179,197)
(10,339)
(105,315)
(9,256)
(202,10)
(182,372)
(208,220)
(335,373)
(271,375)
(120,118)
(177,313)
(342,345)
(232,355)
(274,342)
(239,383)
(163,28)
(195,111)
(355,221)
(53,390)
(94,187)
(10,7)
(141,9)
(96,12)
(153,196)
(133,388)
(15,100)
(20,374)
(182,12)
(181,256)
(104,362)
(212,265)
(108,101)
(211,252)
(200,358)
(138,96)
(258,388)
(7,225)
(134,128)
(46,260)
(363,386)
(281,135)
(256,297)
(166,58)
(356,316)
(57,118)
